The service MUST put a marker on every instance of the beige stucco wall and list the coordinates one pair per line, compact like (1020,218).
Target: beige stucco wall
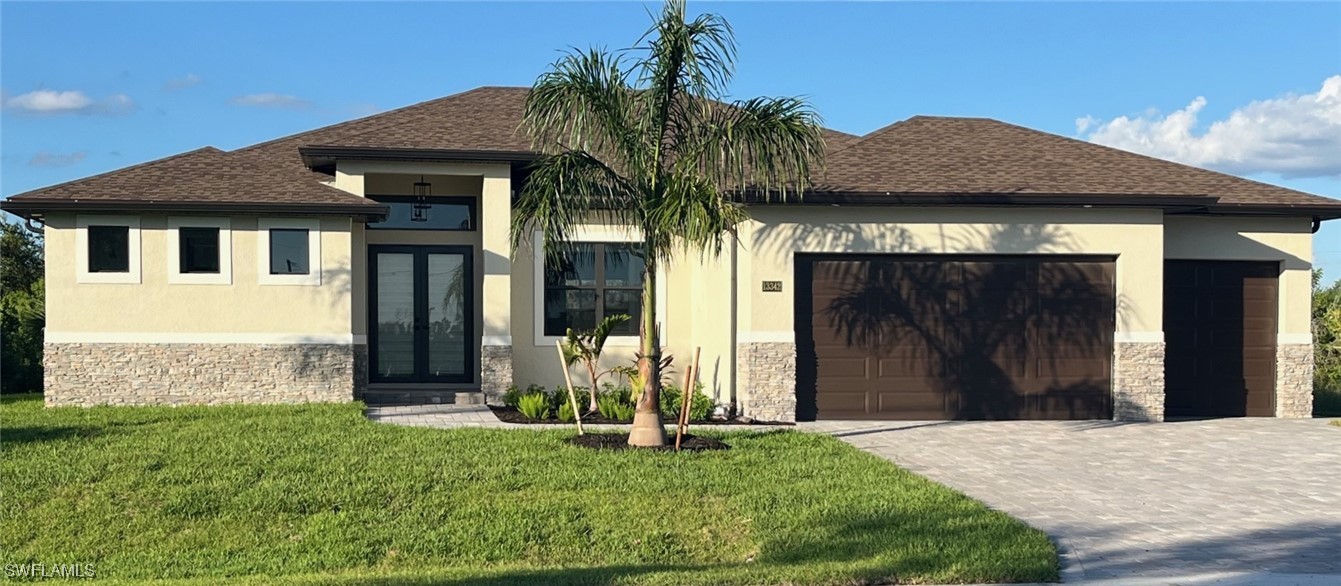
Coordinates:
(777,234)
(156,306)
(1288,241)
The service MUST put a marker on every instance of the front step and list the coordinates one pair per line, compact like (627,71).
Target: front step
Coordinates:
(387,397)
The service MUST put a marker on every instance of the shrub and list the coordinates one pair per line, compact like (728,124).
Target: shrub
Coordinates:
(512,397)
(534,406)
(615,407)
(559,396)
(671,401)
(566,414)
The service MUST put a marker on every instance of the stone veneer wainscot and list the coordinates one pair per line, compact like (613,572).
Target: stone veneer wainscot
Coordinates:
(767,373)
(1138,381)
(89,374)
(495,372)
(1294,380)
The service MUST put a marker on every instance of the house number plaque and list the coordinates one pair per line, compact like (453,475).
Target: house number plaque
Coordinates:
(772,286)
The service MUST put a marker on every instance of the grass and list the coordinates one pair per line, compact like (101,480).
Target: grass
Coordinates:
(318,494)
(1326,403)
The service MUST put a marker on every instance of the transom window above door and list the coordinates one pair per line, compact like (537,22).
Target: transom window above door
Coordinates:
(425,213)
(593,280)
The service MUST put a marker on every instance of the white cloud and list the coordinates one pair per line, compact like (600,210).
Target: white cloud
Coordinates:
(52,102)
(268,100)
(49,159)
(181,83)
(1293,135)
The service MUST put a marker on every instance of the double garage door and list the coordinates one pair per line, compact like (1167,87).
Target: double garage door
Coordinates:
(954,337)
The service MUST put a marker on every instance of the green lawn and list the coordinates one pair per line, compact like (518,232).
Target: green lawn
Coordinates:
(317,494)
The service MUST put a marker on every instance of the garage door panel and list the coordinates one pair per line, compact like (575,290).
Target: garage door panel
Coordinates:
(986,338)
(1220,361)
(839,368)
(911,366)
(1065,368)
(833,401)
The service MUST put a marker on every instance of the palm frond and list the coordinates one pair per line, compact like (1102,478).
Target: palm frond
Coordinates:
(584,102)
(565,190)
(695,210)
(766,145)
(603,329)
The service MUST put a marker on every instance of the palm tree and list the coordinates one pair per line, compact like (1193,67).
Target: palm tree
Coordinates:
(648,143)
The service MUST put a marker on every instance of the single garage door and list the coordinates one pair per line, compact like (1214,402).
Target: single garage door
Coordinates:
(1220,338)
(954,337)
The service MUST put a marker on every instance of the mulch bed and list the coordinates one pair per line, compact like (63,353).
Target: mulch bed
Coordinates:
(512,415)
(620,441)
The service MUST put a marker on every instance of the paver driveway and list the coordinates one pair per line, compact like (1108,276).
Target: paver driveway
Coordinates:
(1128,500)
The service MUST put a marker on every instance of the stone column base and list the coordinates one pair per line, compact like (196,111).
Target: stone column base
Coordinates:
(196,374)
(767,374)
(495,372)
(1138,381)
(1294,380)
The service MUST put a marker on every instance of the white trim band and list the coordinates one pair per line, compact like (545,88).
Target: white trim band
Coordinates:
(198,338)
(764,336)
(1138,337)
(1283,338)
(495,340)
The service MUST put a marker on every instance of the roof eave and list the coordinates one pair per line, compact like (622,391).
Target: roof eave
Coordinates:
(835,197)
(324,157)
(31,208)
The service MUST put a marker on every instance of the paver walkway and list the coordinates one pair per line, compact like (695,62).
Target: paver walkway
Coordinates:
(1230,501)
(1251,500)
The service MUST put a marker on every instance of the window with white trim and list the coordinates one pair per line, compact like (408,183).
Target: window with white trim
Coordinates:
(288,251)
(200,251)
(107,249)
(591,281)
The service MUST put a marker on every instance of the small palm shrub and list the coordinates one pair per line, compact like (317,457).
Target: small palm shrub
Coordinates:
(534,406)
(566,414)
(613,406)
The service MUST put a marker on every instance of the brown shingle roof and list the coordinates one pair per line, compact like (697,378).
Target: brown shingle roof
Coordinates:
(960,157)
(965,156)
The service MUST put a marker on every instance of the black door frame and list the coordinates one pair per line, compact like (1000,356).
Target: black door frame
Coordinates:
(420,253)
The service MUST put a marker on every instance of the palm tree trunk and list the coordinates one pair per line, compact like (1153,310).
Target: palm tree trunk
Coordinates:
(647,428)
(592,407)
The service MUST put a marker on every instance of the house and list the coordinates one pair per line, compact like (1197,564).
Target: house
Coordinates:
(941,268)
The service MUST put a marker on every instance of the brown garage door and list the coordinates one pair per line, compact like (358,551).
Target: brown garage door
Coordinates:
(954,337)
(1220,338)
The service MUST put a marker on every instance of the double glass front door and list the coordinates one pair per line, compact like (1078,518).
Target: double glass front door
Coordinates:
(421,313)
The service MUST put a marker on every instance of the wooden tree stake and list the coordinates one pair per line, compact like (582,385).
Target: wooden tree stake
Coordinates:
(568,378)
(687,400)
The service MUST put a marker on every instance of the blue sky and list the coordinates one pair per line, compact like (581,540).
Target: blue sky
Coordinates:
(1233,86)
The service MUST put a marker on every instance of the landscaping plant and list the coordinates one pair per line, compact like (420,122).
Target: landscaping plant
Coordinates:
(586,347)
(640,138)
(615,406)
(535,407)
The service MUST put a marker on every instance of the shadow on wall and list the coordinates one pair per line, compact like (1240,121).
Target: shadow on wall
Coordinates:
(989,347)
(310,358)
